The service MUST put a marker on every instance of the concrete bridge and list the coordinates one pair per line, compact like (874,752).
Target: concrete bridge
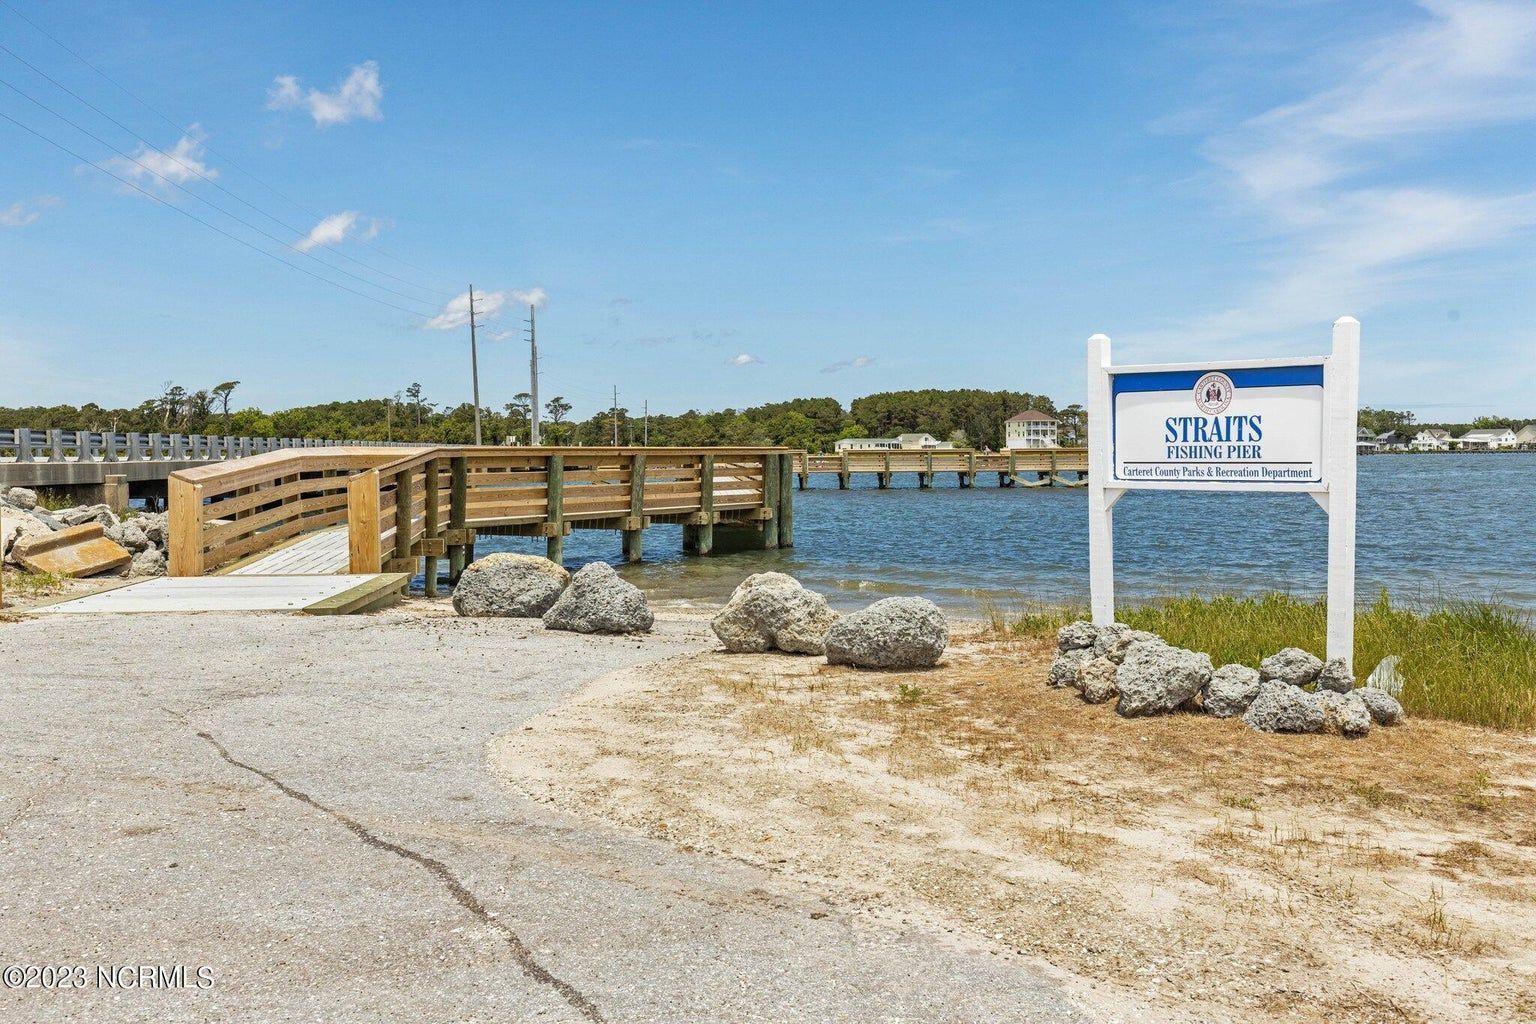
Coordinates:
(106,467)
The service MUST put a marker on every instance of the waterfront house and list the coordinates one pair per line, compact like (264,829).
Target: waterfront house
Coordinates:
(1365,440)
(1525,437)
(901,442)
(1030,429)
(1432,440)
(1391,441)
(1488,439)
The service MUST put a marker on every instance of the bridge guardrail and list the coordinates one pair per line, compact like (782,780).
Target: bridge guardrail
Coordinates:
(28,445)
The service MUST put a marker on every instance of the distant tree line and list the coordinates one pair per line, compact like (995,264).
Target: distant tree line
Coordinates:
(967,417)
(1380,421)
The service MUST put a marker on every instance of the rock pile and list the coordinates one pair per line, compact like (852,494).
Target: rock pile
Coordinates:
(1291,690)
(143,535)
(896,633)
(771,611)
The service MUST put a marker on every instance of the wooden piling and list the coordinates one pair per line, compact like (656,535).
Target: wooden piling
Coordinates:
(786,509)
(634,538)
(458,513)
(843,473)
(771,501)
(554,516)
(431,491)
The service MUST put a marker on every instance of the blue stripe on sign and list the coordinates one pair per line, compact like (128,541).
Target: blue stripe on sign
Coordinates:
(1253,377)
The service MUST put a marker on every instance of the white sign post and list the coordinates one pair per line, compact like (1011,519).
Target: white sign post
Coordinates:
(1245,425)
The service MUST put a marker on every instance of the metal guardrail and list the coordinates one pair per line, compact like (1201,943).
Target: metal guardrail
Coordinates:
(57,446)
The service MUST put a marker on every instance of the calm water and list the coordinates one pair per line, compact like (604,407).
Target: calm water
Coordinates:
(1435,525)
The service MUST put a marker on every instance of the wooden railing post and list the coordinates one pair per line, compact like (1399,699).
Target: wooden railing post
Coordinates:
(554,508)
(786,510)
(432,494)
(634,535)
(404,488)
(364,550)
(185,523)
(458,512)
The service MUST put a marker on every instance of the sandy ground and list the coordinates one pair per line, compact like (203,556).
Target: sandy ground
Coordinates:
(1181,868)
(302,805)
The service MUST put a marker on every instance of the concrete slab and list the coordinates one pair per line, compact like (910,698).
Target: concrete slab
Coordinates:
(75,551)
(213,594)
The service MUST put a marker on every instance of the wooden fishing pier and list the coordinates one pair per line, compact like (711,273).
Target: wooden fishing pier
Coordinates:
(368,510)
(1028,467)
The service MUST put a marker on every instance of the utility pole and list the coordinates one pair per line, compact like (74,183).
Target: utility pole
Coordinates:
(533,380)
(474,361)
(646,430)
(614,415)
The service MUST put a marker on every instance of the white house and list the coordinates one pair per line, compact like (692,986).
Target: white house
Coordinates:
(1431,440)
(1391,441)
(1525,437)
(1365,440)
(1496,437)
(902,442)
(1030,429)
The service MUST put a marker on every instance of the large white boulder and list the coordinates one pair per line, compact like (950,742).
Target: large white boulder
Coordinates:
(1283,707)
(896,633)
(598,601)
(1157,678)
(772,611)
(509,586)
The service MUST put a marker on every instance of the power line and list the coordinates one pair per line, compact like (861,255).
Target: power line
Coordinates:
(214,227)
(208,202)
(193,169)
(180,128)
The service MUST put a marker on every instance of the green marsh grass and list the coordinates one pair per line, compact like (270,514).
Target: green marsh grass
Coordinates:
(1464,661)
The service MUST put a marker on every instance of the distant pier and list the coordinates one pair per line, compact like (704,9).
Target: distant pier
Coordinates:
(1027,467)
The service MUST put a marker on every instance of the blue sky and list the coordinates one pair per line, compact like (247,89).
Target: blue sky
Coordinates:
(730,204)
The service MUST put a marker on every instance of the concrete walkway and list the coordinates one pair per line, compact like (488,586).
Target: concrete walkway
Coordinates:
(302,806)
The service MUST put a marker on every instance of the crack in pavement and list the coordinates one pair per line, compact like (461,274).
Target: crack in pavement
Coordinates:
(456,888)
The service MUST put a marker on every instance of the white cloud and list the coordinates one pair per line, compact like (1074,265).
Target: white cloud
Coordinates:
(161,168)
(359,95)
(528,297)
(856,363)
(488,306)
(1324,173)
(26,211)
(744,359)
(329,231)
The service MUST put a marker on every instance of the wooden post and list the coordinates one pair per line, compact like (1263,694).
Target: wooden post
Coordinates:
(364,551)
(805,469)
(843,473)
(404,487)
(634,539)
(554,508)
(433,494)
(786,510)
(1052,477)
(458,513)
(704,536)
(883,478)
(185,523)
(771,501)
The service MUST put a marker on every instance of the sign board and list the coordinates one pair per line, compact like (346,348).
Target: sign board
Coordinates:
(1242,425)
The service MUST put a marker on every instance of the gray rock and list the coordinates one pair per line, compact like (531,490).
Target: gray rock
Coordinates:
(1076,635)
(1115,641)
(1096,680)
(773,611)
(1282,707)
(149,562)
(155,527)
(16,526)
(1344,714)
(83,514)
(1336,677)
(1156,678)
(512,586)
(1231,690)
(47,519)
(896,633)
(598,601)
(129,535)
(1384,708)
(1292,665)
(1065,665)
(23,498)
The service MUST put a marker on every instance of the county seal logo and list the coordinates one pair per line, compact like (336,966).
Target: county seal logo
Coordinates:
(1213,393)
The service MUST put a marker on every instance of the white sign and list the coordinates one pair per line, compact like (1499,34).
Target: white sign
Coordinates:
(1250,425)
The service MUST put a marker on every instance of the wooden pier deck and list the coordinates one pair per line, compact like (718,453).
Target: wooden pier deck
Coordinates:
(380,510)
(1029,467)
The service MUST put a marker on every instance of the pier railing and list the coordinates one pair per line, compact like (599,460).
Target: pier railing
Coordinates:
(400,505)
(1013,464)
